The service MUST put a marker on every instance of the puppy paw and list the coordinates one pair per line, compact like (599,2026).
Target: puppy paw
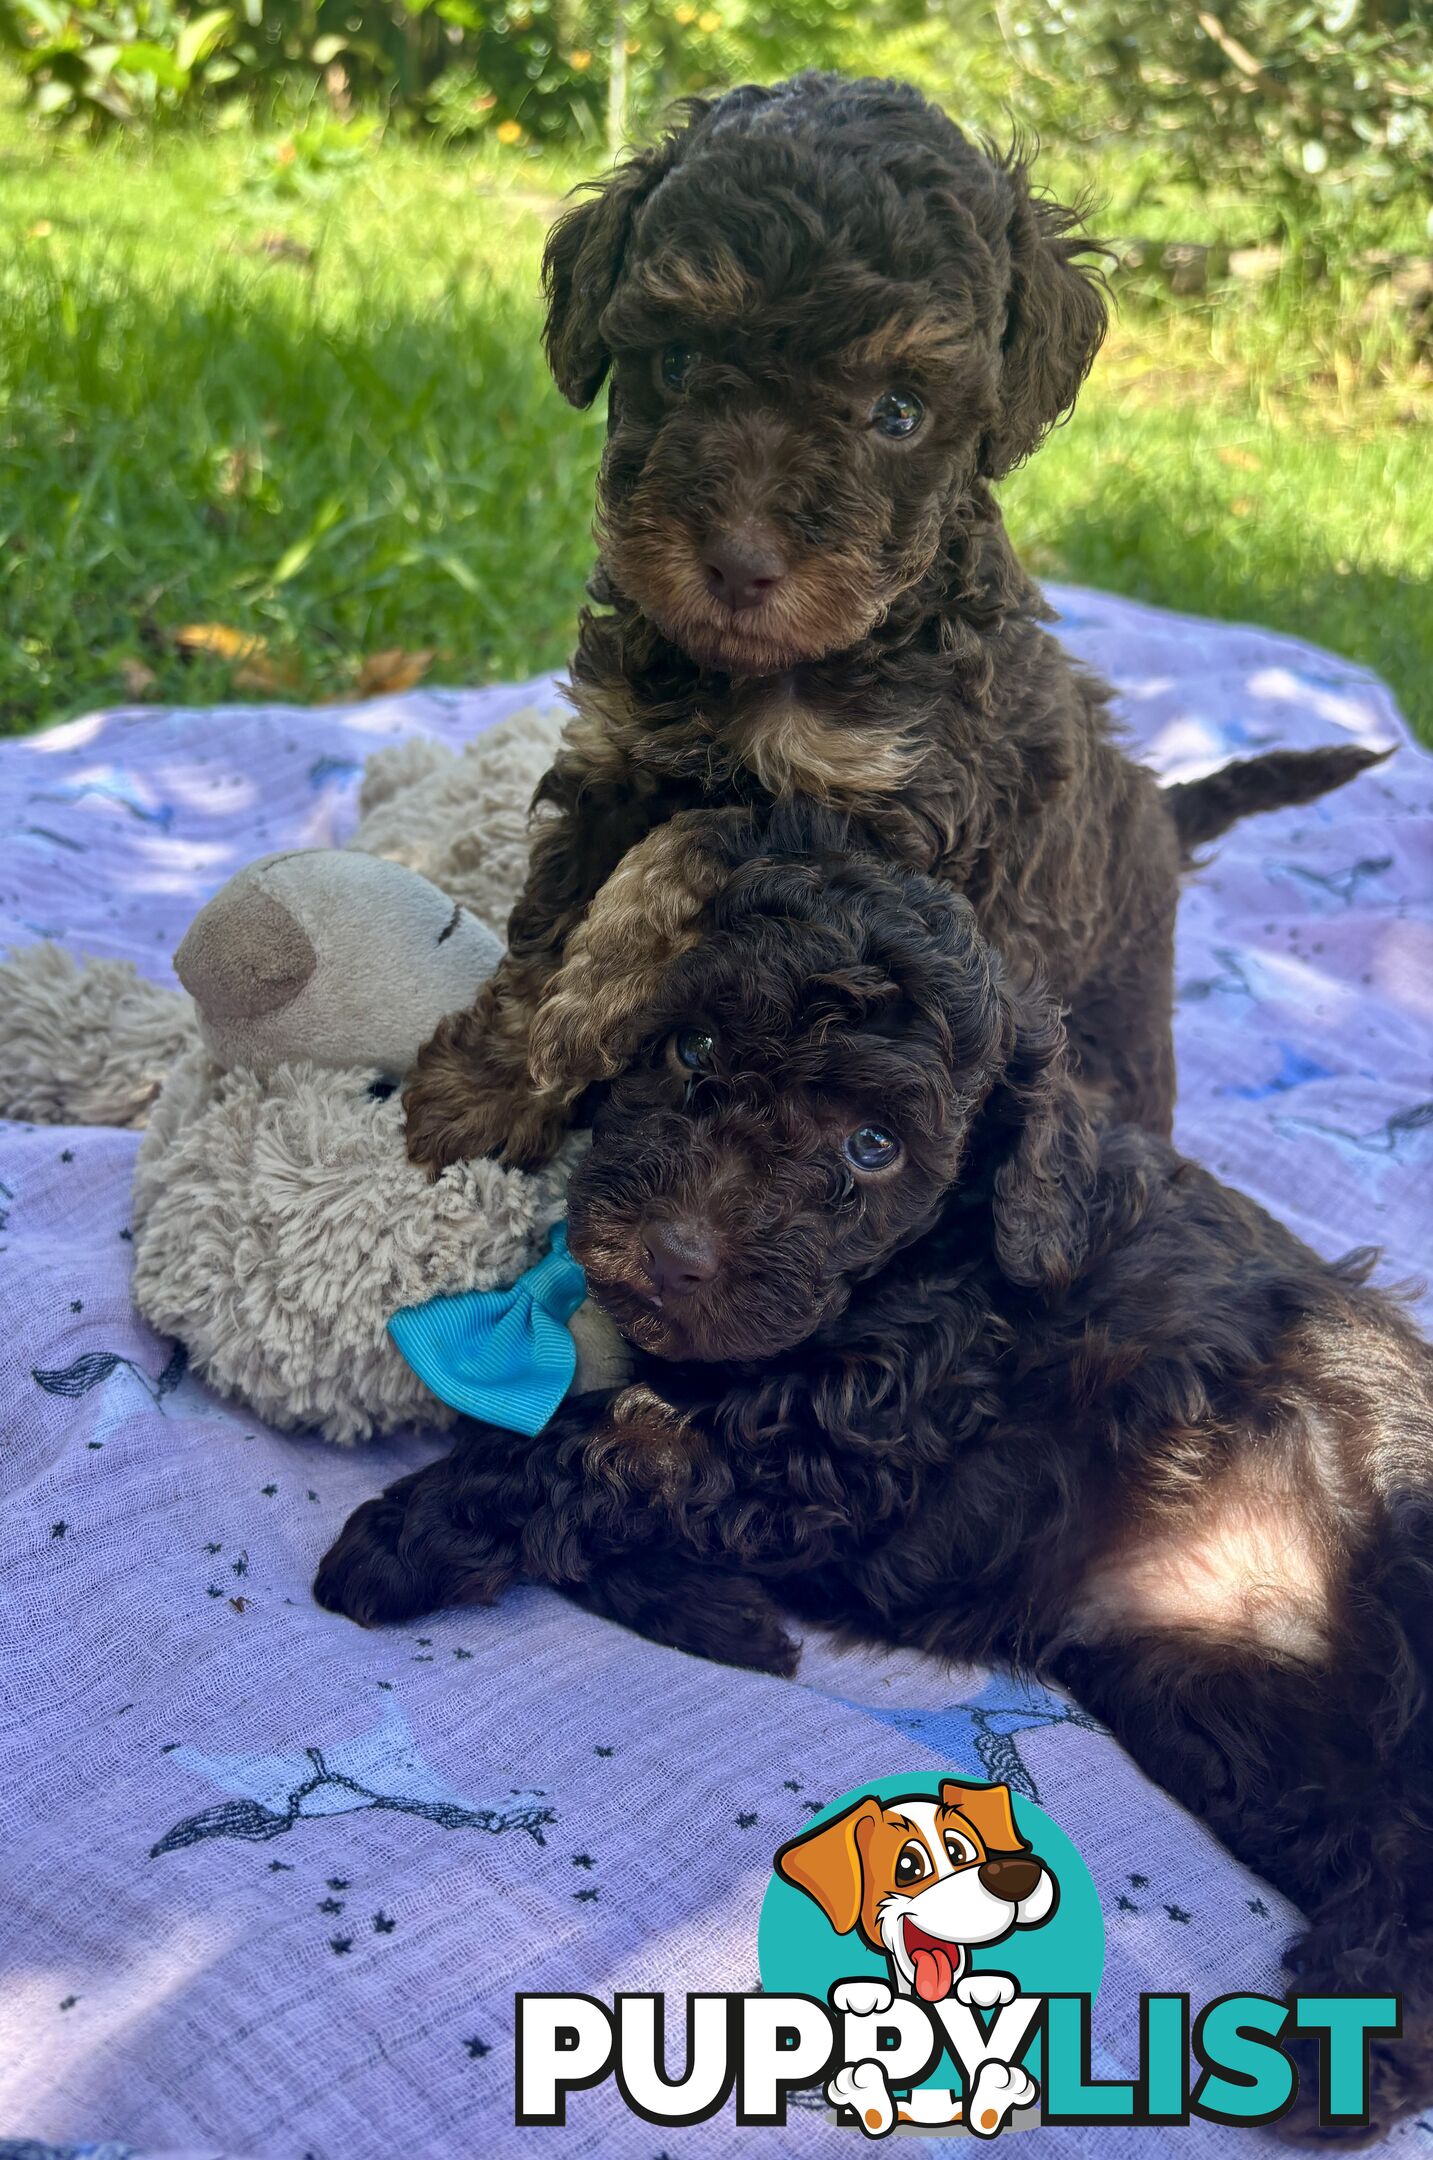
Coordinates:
(535,1129)
(522,1130)
(364,1576)
(369,1573)
(985,1990)
(728,1618)
(440,1133)
(737,1625)
(760,1642)
(861,1998)
(862,2087)
(998,2090)
(1390,2097)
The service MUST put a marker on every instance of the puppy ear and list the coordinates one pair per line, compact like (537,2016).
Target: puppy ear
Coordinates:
(988,1808)
(1054,323)
(1041,1198)
(827,1864)
(583,261)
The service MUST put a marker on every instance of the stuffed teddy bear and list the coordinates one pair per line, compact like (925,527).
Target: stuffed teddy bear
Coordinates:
(278,1225)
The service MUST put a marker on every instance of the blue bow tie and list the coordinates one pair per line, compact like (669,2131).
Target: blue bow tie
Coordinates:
(502,1355)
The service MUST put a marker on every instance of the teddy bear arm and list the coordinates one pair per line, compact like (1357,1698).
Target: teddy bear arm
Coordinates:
(86,1043)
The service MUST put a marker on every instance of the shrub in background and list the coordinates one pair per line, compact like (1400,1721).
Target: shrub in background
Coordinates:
(1312,107)
(1318,112)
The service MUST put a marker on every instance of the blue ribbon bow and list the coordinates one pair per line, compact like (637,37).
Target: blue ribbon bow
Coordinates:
(502,1355)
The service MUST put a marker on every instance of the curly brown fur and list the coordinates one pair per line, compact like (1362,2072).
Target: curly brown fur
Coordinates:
(1034,1392)
(809,248)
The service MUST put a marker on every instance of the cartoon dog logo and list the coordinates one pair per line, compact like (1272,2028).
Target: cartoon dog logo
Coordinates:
(925,1881)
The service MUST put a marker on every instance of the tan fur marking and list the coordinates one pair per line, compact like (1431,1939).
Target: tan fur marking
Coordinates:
(795,750)
(594,738)
(716,288)
(468,1094)
(826,601)
(642,1441)
(933,343)
(644,916)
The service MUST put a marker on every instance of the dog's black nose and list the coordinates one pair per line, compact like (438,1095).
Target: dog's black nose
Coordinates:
(681,1256)
(743,568)
(1010,1876)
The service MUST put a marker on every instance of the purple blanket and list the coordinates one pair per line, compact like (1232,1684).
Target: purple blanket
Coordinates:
(269,1883)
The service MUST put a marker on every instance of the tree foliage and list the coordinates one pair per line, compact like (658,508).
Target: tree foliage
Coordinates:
(1309,105)
(533,69)
(1300,102)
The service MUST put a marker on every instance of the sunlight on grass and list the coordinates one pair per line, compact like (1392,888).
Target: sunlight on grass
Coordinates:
(312,409)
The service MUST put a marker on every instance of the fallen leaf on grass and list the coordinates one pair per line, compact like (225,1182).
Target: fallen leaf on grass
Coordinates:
(138,679)
(234,469)
(282,247)
(383,674)
(216,641)
(269,676)
(1241,460)
(247,654)
(1241,506)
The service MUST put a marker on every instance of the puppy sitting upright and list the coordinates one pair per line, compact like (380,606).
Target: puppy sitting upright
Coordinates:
(831,322)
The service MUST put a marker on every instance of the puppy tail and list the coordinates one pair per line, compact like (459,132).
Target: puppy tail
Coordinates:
(1279,779)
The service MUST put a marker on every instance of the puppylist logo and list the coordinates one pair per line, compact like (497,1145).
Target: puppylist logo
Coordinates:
(930,1951)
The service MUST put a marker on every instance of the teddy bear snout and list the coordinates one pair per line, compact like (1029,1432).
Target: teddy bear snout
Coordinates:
(244,955)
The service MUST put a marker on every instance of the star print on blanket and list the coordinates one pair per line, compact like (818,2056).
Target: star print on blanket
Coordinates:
(206,2002)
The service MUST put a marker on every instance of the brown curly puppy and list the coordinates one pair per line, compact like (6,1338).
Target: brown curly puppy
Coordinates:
(831,322)
(929,1357)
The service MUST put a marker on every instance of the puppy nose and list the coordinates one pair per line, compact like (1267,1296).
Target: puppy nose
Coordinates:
(681,1256)
(1013,1877)
(743,568)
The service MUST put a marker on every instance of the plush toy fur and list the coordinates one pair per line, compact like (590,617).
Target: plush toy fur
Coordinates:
(461,820)
(277,1221)
(85,1045)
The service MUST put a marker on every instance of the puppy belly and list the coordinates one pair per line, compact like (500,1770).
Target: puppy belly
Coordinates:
(1247,1565)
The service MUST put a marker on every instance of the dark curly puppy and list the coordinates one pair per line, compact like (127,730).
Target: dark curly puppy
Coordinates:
(831,322)
(929,1357)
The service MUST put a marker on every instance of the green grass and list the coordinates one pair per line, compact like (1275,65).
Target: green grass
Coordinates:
(319,417)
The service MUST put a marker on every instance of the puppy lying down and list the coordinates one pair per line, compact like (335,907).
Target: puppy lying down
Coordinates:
(924,1355)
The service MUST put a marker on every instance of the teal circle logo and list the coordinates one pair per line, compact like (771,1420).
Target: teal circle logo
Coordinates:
(942,1890)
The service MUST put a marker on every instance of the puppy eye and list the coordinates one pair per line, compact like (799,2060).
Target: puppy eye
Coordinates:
(960,1849)
(675,366)
(911,1864)
(896,413)
(695,1049)
(871,1147)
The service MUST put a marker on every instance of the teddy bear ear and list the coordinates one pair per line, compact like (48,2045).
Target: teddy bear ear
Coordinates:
(988,1808)
(581,265)
(246,955)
